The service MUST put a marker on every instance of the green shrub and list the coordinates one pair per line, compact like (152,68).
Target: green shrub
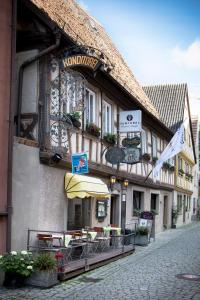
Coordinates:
(141,230)
(44,262)
(17,263)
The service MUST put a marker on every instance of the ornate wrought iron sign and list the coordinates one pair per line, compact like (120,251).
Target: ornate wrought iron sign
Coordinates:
(82,60)
(131,142)
(131,155)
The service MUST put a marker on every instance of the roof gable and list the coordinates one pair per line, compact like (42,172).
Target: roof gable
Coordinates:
(169,100)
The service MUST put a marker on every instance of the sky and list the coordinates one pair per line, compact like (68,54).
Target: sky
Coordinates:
(159,39)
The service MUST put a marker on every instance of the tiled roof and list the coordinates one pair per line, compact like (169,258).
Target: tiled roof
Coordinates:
(85,30)
(169,100)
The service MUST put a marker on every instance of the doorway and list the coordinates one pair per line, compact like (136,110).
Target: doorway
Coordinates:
(184,202)
(79,213)
(165,211)
(114,210)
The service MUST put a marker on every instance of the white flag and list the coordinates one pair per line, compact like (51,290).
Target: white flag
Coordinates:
(175,146)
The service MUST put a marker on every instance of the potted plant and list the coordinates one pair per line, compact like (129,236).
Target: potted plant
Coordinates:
(166,166)
(141,237)
(175,213)
(146,157)
(45,272)
(110,138)
(154,159)
(136,212)
(17,267)
(181,172)
(93,129)
(74,117)
(172,168)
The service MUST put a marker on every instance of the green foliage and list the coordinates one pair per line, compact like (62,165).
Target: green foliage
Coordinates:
(175,213)
(44,262)
(146,156)
(93,129)
(154,212)
(154,159)
(181,172)
(166,166)
(17,263)
(137,212)
(110,138)
(141,230)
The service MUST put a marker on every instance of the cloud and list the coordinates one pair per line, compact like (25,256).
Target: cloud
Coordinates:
(189,57)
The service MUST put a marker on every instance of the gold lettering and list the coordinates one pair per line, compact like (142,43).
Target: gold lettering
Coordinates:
(80,60)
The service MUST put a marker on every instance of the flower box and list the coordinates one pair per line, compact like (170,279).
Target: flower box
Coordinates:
(45,278)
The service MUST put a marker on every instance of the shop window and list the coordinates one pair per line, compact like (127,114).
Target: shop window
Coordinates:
(107,123)
(137,202)
(90,106)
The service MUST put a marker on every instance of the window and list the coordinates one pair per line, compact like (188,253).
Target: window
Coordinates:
(154,146)
(154,202)
(137,202)
(90,106)
(144,141)
(107,125)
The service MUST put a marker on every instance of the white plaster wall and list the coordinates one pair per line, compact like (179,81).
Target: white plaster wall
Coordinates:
(38,196)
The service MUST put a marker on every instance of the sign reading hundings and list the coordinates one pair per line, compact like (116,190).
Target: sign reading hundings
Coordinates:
(81,60)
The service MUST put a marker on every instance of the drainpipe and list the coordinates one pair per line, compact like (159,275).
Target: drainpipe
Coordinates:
(21,71)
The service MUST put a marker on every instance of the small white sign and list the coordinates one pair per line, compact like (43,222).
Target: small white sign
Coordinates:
(130,121)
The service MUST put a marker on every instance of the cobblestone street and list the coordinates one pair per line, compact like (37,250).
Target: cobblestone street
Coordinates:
(150,273)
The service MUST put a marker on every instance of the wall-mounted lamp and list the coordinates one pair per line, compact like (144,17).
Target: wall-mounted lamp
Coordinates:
(112,179)
(55,158)
(125,183)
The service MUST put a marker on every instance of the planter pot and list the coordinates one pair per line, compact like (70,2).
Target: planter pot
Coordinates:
(13,280)
(141,240)
(76,123)
(43,279)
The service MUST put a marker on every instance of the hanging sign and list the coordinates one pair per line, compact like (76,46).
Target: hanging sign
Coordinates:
(81,60)
(114,155)
(79,163)
(130,121)
(131,155)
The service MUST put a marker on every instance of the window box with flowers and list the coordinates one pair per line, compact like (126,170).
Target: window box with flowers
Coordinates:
(180,172)
(110,138)
(146,157)
(93,129)
(166,166)
(154,160)
(17,267)
(74,118)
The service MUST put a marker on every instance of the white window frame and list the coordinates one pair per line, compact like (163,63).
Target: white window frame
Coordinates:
(154,146)
(144,141)
(107,117)
(88,107)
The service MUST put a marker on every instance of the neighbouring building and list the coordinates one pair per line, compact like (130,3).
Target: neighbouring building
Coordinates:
(6,49)
(66,64)
(172,102)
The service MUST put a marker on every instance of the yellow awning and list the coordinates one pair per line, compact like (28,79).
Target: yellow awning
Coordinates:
(82,186)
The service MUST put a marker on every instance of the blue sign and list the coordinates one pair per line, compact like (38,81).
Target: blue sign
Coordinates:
(79,163)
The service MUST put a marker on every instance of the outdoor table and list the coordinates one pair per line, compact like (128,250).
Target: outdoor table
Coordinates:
(108,229)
